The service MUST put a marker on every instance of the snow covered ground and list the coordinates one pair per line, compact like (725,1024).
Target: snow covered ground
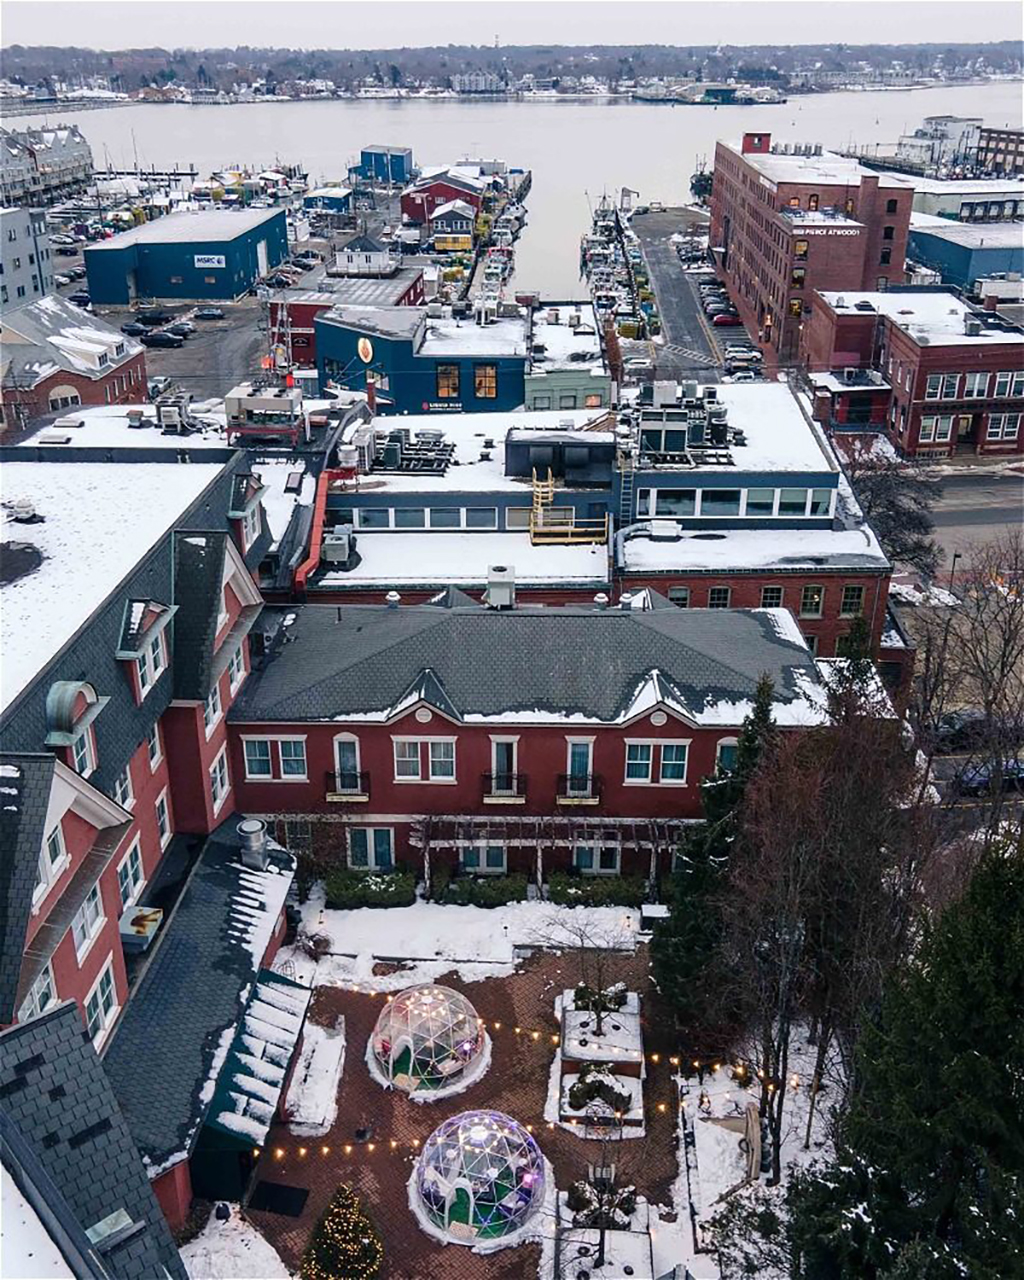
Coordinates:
(232,1250)
(312,1103)
(433,939)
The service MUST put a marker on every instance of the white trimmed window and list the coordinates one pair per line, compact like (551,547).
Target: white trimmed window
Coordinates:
(771,597)
(257,758)
(673,761)
(129,875)
(123,792)
(597,860)
(220,783)
(88,921)
(41,995)
(236,669)
(293,757)
(812,602)
(852,603)
(101,1005)
(485,859)
(726,754)
(639,761)
(212,709)
(407,760)
(163,819)
(53,858)
(1009,382)
(251,526)
(442,761)
(154,749)
(151,663)
(1003,426)
(371,848)
(719,597)
(83,752)
(975,385)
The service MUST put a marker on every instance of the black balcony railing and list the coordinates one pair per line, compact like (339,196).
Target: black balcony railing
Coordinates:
(504,784)
(345,782)
(579,786)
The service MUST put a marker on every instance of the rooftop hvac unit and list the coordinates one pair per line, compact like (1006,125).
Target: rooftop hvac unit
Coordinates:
(434,311)
(850,374)
(337,545)
(501,586)
(664,393)
(664,531)
(348,458)
(972,326)
(574,319)
(710,395)
(690,389)
(719,432)
(553,316)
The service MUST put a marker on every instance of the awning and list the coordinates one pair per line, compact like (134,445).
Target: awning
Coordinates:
(249,1085)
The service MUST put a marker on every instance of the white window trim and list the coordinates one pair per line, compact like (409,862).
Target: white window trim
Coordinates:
(252,526)
(214,771)
(483,869)
(504,739)
(569,744)
(239,655)
(54,869)
(96,929)
(782,597)
(673,782)
(109,1017)
(971,380)
(597,869)
(722,742)
(292,777)
(346,737)
(155,764)
(424,741)
(258,737)
(136,893)
(90,753)
(855,613)
(129,803)
(276,759)
(627,781)
(165,837)
(30,1007)
(153,669)
(209,724)
(371,853)
(806,613)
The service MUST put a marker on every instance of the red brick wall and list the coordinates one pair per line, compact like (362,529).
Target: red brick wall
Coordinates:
(124,384)
(173,1191)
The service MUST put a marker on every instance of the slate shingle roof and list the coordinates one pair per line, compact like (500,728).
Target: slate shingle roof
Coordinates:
(338,661)
(25,782)
(54,1089)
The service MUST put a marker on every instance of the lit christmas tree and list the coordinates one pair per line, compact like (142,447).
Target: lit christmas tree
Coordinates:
(345,1245)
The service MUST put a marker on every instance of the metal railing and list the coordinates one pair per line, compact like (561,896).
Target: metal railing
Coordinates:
(346,782)
(504,784)
(579,786)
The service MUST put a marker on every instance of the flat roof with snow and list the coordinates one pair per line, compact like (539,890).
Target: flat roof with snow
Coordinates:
(828,168)
(930,317)
(973,235)
(450,337)
(208,225)
(98,520)
(776,434)
(565,346)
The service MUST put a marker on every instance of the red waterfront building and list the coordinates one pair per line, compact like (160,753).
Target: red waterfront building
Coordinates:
(938,376)
(438,187)
(787,219)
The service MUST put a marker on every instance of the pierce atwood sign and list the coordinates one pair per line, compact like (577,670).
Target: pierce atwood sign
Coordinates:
(827,231)
(209,260)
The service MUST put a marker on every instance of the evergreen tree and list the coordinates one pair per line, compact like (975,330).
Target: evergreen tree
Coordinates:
(929,1177)
(345,1245)
(684,944)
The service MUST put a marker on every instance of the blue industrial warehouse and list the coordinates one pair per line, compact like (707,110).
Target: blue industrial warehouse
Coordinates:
(209,255)
(963,252)
(424,364)
(385,164)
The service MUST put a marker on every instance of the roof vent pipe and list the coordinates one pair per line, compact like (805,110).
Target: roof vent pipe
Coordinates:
(392,599)
(626,600)
(253,834)
(600,601)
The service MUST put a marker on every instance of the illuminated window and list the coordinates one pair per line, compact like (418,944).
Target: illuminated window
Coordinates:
(485,381)
(812,202)
(447,382)
(796,279)
(800,250)
(812,602)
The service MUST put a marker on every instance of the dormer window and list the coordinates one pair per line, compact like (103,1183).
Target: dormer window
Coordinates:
(102,359)
(83,752)
(151,663)
(119,349)
(144,642)
(251,525)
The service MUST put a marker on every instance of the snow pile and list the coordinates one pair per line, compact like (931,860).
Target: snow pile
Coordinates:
(312,1103)
(27,1250)
(908,593)
(232,1250)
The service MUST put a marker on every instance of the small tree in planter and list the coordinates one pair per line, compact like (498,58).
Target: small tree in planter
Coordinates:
(345,1244)
(603,1205)
(596,947)
(597,1084)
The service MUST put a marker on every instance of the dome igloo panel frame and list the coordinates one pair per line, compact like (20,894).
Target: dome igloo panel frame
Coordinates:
(480,1177)
(429,1040)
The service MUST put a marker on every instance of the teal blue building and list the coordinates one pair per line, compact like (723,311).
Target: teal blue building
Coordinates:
(963,252)
(213,255)
(418,363)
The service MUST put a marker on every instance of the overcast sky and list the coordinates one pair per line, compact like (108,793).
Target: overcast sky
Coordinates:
(338,24)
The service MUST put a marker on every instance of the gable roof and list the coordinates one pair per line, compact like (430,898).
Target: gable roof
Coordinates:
(532,664)
(362,244)
(25,782)
(457,208)
(182,1015)
(52,335)
(53,1086)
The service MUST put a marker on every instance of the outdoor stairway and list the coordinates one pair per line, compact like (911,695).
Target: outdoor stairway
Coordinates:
(550,524)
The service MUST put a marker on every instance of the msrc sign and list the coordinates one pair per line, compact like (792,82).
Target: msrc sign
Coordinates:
(209,260)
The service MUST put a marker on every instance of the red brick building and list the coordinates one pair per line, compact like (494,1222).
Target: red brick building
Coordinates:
(432,735)
(786,220)
(955,376)
(57,357)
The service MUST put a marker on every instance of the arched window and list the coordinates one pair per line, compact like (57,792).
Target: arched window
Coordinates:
(63,397)
(726,754)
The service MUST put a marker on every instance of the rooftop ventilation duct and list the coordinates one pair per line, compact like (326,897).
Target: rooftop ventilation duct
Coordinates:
(253,834)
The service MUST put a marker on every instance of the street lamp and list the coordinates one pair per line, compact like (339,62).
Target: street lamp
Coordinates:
(952,568)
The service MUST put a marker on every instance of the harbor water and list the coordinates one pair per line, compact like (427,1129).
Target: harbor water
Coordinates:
(577,150)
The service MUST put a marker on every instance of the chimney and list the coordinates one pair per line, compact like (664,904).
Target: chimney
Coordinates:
(253,834)
(392,599)
(991,302)
(756,143)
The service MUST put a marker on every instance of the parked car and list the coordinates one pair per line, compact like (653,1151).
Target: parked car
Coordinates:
(161,338)
(154,317)
(133,329)
(208,313)
(60,239)
(181,328)
(60,280)
(67,250)
(77,273)
(80,298)
(726,319)
(968,727)
(745,375)
(157,386)
(991,776)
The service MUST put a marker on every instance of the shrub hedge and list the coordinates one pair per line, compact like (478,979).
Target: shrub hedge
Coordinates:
(596,891)
(349,889)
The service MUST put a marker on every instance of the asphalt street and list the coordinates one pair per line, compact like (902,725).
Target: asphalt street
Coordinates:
(977,506)
(687,351)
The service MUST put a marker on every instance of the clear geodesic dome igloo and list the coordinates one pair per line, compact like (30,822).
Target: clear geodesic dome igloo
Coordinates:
(428,1041)
(479,1178)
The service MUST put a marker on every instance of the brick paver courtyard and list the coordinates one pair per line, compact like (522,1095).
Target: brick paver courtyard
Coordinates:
(516,1083)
